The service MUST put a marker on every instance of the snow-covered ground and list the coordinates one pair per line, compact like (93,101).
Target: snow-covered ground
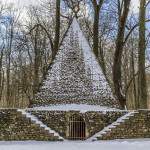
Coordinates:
(103,145)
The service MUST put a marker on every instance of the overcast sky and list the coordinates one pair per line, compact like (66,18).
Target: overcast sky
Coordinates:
(21,3)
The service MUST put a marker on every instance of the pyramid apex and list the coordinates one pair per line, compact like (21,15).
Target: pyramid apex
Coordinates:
(75,20)
(75,24)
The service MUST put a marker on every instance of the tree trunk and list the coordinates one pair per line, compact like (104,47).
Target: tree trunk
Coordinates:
(36,62)
(142,87)
(8,93)
(97,47)
(96,30)
(117,64)
(1,77)
(135,104)
(57,29)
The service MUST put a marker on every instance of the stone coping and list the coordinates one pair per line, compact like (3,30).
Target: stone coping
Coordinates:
(32,109)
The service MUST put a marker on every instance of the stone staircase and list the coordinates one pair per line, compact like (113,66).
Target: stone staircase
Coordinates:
(39,123)
(16,125)
(117,129)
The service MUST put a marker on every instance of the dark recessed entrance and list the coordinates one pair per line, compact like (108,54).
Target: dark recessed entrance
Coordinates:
(77,128)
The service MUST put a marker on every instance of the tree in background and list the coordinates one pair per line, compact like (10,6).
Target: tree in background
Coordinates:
(123,11)
(57,29)
(27,48)
(142,87)
(97,7)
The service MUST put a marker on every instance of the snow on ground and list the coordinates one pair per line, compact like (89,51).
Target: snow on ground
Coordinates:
(103,145)
(82,108)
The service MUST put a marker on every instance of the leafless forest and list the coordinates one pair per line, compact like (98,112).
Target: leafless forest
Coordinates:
(119,37)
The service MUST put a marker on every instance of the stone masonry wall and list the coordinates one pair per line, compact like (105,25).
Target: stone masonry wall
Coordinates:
(15,126)
(137,126)
(59,120)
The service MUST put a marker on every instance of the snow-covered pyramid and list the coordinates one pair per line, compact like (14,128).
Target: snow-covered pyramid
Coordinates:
(75,76)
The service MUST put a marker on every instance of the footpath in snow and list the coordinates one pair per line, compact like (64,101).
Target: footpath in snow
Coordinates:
(102,145)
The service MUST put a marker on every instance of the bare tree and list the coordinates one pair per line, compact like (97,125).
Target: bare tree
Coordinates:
(57,29)
(123,10)
(97,8)
(142,87)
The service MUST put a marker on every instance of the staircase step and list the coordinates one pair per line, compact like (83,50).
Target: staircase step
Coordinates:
(111,131)
(37,123)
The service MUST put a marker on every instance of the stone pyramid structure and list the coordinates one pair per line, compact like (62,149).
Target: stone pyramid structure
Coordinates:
(75,76)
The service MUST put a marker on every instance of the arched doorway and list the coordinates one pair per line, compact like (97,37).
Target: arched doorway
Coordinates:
(77,128)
